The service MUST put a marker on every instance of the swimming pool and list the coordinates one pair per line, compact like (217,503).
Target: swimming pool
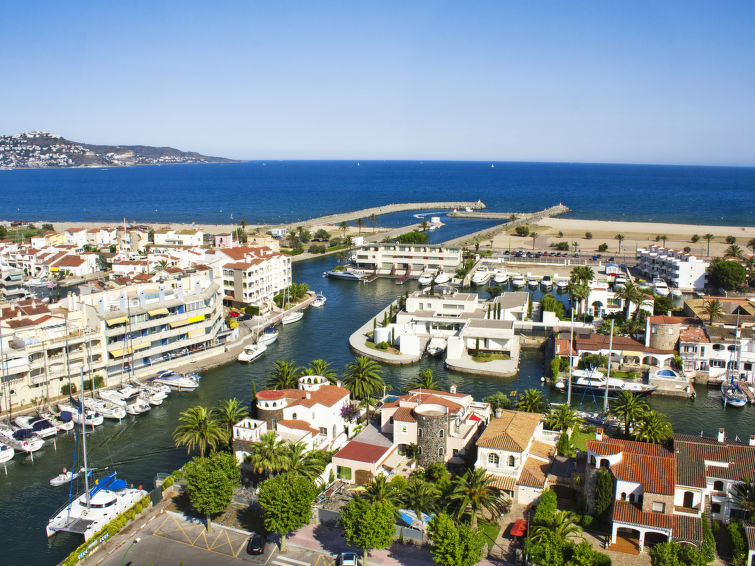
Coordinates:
(667,374)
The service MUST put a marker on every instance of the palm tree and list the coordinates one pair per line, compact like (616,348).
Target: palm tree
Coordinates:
(268,455)
(380,489)
(632,295)
(713,309)
(474,493)
(412,451)
(424,380)
(424,224)
(663,237)
(751,244)
(421,497)
(563,418)
(197,429)
(284,375)
(363,377)
(708,238)
(344,227)
(582,274)
(321,367)
(742,495)
(620,238)
(532,401)
(653,427)
(373,219)
(299,459)
(734,251)
(563,526)
(629,407)
(360,224)
(228,414)
(580,293)
(161,265)
(533,235)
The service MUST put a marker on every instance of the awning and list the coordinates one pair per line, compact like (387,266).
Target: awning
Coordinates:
(198,318)
(632,353)
(119,353)
(118,320)
(178,323)
(158,312)
(474,417)
(196,332)
(142,346)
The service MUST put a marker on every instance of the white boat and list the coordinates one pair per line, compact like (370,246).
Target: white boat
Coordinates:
(63,422)
(6,452)
(178,382)
(154,399)
(137,406)
(40,425)
(481,276)
(251,352)
(441,278)
(292,317)
(268,336)
(583,380)
(676,293)
(112,396)
(660,287)
(63,478)
(127,392)
(619,283)
(348,274)
(90,418)
(319,300)
(562,284)
(21,440)
(546,282)
(732,393)
(533,282)
(157,388)
(93,509)
(436,346)
(501,277)
(107,409)
(425,279)
(517,281)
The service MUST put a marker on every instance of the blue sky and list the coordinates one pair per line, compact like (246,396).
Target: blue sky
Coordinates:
(639,82)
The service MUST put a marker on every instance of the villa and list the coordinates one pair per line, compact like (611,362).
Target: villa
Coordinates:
(406,259)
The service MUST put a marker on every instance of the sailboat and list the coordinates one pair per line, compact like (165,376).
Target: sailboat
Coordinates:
(90,511)
(731,392)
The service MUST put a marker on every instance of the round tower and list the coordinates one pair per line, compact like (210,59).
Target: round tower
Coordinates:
(664,332)
(432,432)
(270,405)
(312,382)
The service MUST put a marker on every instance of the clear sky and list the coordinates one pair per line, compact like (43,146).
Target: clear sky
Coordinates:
(639,82)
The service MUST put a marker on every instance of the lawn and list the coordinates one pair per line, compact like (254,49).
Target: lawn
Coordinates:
(579,439)
(490,530)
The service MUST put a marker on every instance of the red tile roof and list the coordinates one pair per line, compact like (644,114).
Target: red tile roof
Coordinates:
(687,529)
(404,414)
(693,451)
(298,425)
(665,319)
(657,475)
(626,512)
(361,452)
(694,335)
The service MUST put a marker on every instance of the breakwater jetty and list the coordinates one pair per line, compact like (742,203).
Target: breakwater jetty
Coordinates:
(514,219)
(386,209)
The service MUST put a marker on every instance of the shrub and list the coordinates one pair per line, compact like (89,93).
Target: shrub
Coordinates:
(560,234)
(588,235)
(687,249)
(695,239)
(738,543)
(68,389)
(252,310)
(167,482)
(708,547)
(603,247)
(382,345)
(178,474)
(555,367)
(731,240)
(315,249)
(561,246)
(587,521)
(413,237)
(522,231)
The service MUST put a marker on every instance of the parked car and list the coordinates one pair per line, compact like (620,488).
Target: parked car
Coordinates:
(244,317)
(256,544)
(347,559)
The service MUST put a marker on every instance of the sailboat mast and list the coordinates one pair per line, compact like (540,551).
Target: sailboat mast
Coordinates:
(84,439)
(608,372)
(571,349)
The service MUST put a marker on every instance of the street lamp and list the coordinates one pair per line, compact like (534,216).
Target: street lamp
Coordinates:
(123,560)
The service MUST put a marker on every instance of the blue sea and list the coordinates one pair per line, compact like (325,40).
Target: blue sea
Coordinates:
(289,191)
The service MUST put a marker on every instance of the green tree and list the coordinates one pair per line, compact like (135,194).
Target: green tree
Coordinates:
(498,400)
(713,309)
(424,224)
(726,274)
(474,493)
(198,429)
(454,544)
(424,380)
(708,238)
(628,407)
(742,495)
(751,244)
(550,303)
(380,489)
(363,377)
(603,493)
(534,236)
(299,459)
(734,251)
(323,368)
(368,525)
(522,231)
(421,497)
(562,418)
(228,414)
(631,295)
(360,225)
(373,219)
(653,427)
(161,266)
(286,502)
(532,401)
(210,483)
(268,454)
(563,525)
(620,238)
(413,237)
(284,375)
(546,508)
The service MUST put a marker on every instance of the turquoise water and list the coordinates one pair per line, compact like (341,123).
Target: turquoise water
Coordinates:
(140,447)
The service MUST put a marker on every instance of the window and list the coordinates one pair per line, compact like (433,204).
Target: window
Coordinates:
(715,508)
(718,485)
(440,433)
(440,451)
(419,433)
(323,431)
(659,507)
(624,496)
(512,461)
(293,416)
(493,459)
(403,428)
(344,473)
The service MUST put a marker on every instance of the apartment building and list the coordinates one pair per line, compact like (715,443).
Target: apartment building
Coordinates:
(168,237)
(11,285)
(679,269)
(718,352)
(410,259)
(250,276)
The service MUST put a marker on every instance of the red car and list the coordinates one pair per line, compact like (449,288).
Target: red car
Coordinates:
(234,314)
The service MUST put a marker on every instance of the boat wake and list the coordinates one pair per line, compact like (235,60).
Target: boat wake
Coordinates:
(423,214)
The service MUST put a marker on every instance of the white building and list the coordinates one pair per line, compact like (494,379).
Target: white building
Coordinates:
(603,300)
(168,237)
(410,259)
(718,351)
(76,237)
(678,269)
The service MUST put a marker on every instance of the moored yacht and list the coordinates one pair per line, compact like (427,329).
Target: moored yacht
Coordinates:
(533,282)
(546,282)
(583,380)
(660,287)
(517,281)
(40,425)
(6,452)
(21,440)
(90,418)
(436,346)
(481,276)
(441,278)
(501,277)
(268,336)
(107,409)
(176,381)
(251,352)
(348,274)
(425,278)
(319,300)
(292,317)
(137,406)
(562,285)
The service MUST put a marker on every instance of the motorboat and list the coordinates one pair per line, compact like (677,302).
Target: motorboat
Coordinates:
(90,418)
(112,396)
(137,406)
(583,380)
(677,293)
(517,281)
(178,382)
(348,274)
(319,300)
(157,388)
(268,336)
(660,287)
(40,425)
(92,510)
(619,283)
(481,276)
(441,278)
(63,478)
(6,453)
(63,421)
(546,282)
(21,440)
(154,398)
(251,352)
(501,277)
(292,317)
(127,391)
(436,346)
(425,279)
(107,409)
(533,282)
(562,285)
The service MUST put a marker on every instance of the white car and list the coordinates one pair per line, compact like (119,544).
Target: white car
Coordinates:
(348,559)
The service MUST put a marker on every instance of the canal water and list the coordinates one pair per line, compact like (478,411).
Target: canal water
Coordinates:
(141,446)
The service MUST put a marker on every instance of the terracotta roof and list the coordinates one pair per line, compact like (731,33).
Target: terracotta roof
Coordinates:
(298,425)
(665,319)
(694,335)
(595,342)
(271,394)
(604,447)
(443,393)
(327,395)
(507,483)
(435,400)
(404,414)
(71,261)
(534,473)
(512,431)
(692,452)
(626,512)
(20,323)
(361,452)
(541,449)
(562,347)
(687,529)
(655,474)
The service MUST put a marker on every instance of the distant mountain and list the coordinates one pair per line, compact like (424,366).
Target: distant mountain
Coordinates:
(37,150)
